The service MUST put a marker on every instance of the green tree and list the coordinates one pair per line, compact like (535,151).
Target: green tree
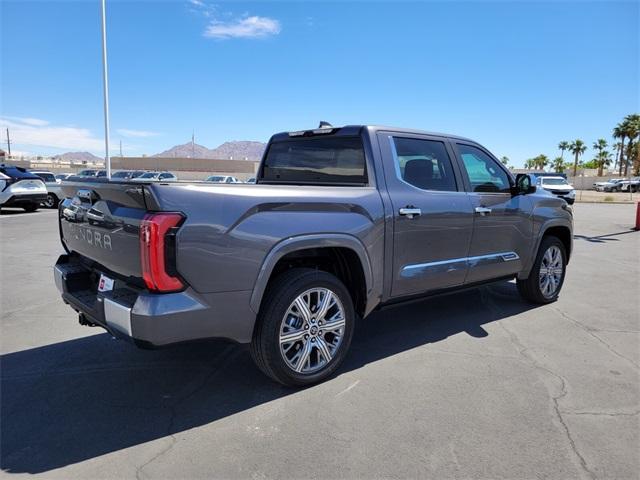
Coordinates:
(504,160)
(602,159)
(529,164)
(632,130)
(541,161)
(577,147)
(619,132)
(562,146)
(599,146)
(558,165)
(616,147)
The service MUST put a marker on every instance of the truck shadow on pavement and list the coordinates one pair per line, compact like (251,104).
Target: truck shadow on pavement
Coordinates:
(76,400)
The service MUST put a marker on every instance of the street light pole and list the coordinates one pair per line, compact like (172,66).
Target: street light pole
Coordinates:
(105,88)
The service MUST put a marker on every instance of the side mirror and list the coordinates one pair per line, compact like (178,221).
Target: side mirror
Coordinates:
(524,185)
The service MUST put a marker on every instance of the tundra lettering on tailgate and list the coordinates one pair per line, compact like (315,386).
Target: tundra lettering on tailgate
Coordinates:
(92,237)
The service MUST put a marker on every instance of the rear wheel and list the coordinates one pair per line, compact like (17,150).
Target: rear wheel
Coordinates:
(51,201)
(547,275)
(304,328)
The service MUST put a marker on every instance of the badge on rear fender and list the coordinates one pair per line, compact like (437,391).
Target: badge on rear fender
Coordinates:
(105,284)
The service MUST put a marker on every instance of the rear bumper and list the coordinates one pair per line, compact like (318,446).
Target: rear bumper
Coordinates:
(152,320)
(25,199)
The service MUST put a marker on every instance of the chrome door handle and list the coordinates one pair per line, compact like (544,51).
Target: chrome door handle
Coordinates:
(410,212)
(483,210)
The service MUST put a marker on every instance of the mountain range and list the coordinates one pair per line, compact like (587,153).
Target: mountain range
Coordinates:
(237,150)
(78,157)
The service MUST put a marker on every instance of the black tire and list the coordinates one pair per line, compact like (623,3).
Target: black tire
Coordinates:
(530,288)
(265,346)
(51,201)
(32,207)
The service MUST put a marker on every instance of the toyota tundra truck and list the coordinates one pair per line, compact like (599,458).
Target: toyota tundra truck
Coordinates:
(340,222)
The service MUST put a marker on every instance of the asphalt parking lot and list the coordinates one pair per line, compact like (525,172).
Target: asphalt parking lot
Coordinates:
(472,385)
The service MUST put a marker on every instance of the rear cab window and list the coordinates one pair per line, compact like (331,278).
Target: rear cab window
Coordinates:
(316,160)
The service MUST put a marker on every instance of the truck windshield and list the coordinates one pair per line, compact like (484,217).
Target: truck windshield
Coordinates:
(554,181)
(316,160)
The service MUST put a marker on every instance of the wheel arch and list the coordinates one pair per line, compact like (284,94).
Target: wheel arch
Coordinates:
(349,262)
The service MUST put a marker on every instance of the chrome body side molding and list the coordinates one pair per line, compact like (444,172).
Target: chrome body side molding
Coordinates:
(444,266)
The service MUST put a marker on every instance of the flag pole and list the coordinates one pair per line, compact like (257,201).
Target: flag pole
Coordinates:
(105,89)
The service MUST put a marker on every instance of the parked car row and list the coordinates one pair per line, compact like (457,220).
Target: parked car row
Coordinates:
(618,185)
(30,189)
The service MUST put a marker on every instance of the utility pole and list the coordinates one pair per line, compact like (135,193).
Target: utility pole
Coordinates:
(105,87)
(120,149)
(8,142)
(193,146)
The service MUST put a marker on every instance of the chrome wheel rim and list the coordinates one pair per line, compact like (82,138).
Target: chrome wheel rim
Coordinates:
(312,330)
(49,201)
(551,270)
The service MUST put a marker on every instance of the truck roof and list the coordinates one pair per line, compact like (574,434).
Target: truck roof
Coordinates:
(350,130)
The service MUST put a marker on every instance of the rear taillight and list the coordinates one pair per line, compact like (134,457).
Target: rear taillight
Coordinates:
(157,251)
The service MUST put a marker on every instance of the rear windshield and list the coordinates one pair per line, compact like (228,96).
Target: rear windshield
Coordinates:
(316,160)
(148,175)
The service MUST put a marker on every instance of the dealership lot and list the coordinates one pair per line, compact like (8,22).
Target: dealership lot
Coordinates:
(476,384)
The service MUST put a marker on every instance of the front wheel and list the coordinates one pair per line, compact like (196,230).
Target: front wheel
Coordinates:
(548,272)
(304,328)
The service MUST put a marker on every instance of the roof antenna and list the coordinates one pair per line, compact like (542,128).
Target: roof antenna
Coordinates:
(324,124)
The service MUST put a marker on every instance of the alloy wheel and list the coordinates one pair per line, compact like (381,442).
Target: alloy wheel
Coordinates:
(312,330)
(551,271)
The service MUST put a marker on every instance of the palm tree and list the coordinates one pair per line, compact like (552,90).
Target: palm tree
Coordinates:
(577,147)
(504,160)
(631,128)
(540,161)
(562,146)
(558,164)
(619,132)
(529,164)
(602,158)
(600,145)
(617,147)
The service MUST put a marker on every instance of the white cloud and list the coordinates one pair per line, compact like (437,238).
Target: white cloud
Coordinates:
(40,133)
(36,122)
(248,27)
(125,132)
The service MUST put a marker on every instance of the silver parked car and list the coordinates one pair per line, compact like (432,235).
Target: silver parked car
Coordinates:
(610,185)
(157,177)
(222,179)
(54,193)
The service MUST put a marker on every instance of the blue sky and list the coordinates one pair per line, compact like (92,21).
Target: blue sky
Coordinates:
(516,76)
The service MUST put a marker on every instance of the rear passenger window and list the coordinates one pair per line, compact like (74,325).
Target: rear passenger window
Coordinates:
(484,173)
(424,164)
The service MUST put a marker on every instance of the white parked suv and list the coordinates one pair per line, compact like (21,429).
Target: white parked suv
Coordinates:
(21,188)
(54,192)
(559,187)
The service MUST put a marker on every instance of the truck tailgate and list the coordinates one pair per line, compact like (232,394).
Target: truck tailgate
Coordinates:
(101,222)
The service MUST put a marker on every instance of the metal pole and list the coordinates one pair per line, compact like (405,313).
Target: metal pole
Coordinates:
(8,142)
(105,85)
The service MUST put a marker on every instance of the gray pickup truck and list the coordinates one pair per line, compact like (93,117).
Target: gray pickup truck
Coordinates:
(340,222)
